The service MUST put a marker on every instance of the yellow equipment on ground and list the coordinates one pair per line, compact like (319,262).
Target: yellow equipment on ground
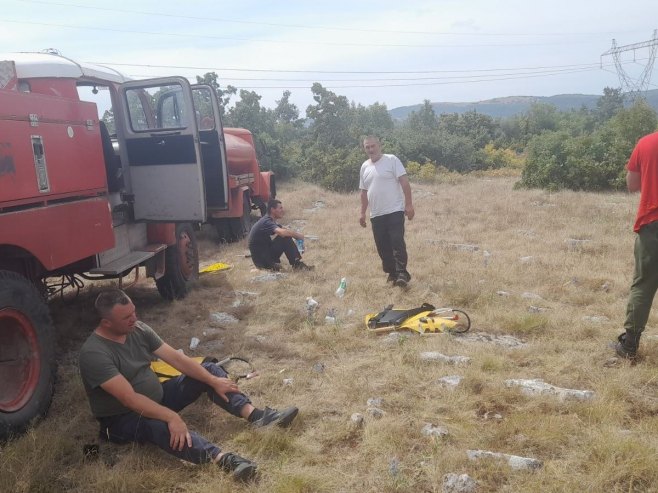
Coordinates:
(218,267)
(165,371)
(424,320)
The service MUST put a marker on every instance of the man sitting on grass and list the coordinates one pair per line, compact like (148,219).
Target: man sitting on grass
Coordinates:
(265,251)
(132,405)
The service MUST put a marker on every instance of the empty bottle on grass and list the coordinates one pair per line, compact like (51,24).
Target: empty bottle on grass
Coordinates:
(340,292)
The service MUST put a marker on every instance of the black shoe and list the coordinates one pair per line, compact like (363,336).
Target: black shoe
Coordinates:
(391,278)
(627,345)
(275,267)
(282,419)
(401,281)
(240,468)
(302,266)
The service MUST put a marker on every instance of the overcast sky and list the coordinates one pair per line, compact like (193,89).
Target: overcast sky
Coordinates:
(403,51)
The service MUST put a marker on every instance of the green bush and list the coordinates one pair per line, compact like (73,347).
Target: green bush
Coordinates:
(587,162)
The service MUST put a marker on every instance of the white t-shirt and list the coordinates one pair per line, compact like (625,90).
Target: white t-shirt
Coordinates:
(380,180)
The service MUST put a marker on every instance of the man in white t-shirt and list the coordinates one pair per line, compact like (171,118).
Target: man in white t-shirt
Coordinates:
(385,188)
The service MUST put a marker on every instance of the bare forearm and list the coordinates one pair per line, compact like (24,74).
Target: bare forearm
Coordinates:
(189,367)
(406,189)
(289,233)
(364,202)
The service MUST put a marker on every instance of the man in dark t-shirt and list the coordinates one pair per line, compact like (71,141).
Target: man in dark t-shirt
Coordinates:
(132,405)
(268,240)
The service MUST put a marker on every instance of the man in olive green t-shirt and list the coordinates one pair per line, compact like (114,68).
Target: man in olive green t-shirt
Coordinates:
(131,404)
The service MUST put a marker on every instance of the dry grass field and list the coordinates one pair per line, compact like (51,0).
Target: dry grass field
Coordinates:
(564,298)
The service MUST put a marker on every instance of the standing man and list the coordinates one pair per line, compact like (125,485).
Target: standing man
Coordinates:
(385,188)
(265,251)
(642,176)
(132,405)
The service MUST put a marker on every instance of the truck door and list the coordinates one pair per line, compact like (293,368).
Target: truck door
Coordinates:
(213,147)
(159,146)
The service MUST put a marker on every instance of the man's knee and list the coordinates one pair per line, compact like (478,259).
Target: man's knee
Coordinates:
(214,369)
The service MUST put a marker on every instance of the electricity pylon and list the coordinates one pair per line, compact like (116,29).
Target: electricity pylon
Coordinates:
(634,87)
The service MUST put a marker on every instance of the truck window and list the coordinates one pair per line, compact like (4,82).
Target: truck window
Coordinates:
(100,95)
(157,108)
(203,108)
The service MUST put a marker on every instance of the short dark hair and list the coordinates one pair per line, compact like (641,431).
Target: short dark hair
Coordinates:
(272,204)
(109,299)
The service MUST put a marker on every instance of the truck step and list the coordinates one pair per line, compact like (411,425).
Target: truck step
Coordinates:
(129,261)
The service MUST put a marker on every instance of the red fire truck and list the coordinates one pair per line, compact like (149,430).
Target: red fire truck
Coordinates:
(86,198)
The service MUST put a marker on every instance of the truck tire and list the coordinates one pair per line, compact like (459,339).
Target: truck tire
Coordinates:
(233,229)
(27,355)
(240,226)
(181,264)
(272,188)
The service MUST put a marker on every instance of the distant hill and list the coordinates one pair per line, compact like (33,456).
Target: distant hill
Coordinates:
(514,105)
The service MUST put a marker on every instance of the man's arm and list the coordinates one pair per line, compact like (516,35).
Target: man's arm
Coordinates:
(288,233)
(121,389)
(364,207)
(408,204)
(192,369)
(633,181)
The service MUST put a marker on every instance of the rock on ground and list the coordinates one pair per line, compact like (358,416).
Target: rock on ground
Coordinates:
(514,461)
(270,276)
(222,318)
(498,340)
(538,387)
(450,381)
(436,356)
(462,483)
(430,430)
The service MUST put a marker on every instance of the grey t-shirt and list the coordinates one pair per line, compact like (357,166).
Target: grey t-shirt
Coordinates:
(101,359)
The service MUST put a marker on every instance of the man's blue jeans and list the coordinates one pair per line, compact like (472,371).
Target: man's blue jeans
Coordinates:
(179,392)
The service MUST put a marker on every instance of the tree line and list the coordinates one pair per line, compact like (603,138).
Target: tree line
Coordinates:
(584,149)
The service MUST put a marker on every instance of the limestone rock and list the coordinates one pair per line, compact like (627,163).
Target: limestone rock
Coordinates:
(538,387)
(514,461)
(458,483)
(436,356)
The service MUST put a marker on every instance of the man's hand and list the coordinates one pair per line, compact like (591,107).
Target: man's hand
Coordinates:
(409,212)
(362,220)
(178,433)
(223,386)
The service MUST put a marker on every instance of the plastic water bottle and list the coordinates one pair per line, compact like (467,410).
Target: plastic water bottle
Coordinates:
(300,245)
(340,292)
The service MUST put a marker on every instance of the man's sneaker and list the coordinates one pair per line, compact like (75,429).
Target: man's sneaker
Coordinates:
(275,267)
(239,467)
(391,278)
(282,419)
(302,266)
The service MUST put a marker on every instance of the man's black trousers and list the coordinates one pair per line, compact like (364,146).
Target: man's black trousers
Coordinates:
(388,231)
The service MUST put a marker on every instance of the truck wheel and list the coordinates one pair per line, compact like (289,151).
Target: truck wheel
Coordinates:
(272,187)
(181,264)
(27,354)
(240,226)
(234,229)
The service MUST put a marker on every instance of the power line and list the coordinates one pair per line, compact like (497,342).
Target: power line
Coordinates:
(540,72)
(436,83)
(269,41)
(299,26)
(233,69)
